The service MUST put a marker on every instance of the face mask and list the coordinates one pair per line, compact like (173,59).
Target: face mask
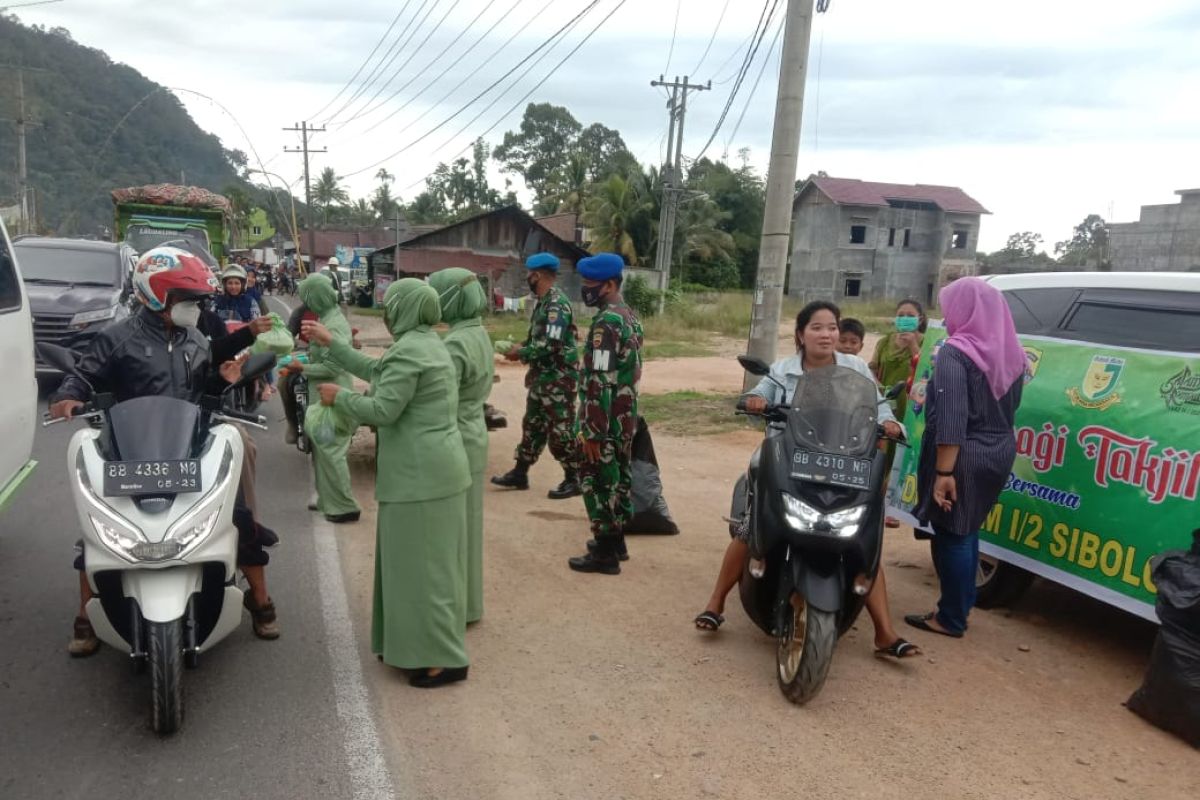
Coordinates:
(185,314)
(591,295)
(907,324)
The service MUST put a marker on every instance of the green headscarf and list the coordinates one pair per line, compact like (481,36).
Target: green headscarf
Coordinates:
(461,295)
(410,303)
(317,292)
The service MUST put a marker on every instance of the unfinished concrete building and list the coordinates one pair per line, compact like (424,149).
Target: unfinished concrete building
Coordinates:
(1165,237)
(857,240)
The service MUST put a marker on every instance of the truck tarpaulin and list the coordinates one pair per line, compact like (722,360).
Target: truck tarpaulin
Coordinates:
(168,194)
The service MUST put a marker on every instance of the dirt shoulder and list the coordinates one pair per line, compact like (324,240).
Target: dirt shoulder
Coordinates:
(599,687)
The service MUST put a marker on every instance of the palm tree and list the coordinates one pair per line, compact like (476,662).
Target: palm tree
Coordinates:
(698,236)
(617,206)
(383,176)
(361,213)
(571,184)
(328,192)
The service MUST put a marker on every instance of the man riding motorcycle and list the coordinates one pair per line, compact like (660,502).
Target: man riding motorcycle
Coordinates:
(159,351)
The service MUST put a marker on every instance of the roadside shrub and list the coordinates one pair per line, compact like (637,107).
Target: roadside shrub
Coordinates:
(640,296)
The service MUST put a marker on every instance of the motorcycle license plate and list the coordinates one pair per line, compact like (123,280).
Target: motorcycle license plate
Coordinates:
(853,473)
(173,476)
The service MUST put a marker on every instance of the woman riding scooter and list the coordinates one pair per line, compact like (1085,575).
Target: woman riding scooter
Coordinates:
(816,347)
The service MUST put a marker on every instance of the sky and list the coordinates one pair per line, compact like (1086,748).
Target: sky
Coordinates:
(1043,112)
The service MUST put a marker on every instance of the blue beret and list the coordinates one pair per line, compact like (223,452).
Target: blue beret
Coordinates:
(542,261)
(601,267)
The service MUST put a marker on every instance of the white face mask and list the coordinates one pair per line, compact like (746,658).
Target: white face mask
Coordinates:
(186,314)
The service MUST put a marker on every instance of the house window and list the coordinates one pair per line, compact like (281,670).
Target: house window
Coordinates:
(907,237)
(852,287)
(858,233)
(891,237)
(256,230)
(958,239)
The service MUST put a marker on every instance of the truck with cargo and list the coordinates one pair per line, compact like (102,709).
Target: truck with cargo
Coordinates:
(147,216)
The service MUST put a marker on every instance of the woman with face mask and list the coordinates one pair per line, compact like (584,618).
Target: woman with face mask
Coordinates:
(421,482)
(893,362)
(463,301)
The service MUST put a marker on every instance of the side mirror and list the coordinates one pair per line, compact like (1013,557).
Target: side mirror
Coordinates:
(755,366)
(59,357)
(895,391)
(254,368)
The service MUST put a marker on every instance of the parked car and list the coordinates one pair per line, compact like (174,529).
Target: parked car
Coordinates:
(75,287)
(18,402)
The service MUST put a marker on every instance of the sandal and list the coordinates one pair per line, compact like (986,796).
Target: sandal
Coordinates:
(899,650)
(709,621)
(921,621)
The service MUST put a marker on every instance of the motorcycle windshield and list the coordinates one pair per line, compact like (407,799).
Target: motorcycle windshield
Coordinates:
(834,410)
(153,428)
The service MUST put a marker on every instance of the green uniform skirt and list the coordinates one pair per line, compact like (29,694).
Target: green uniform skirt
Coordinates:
(474,549)
(419,618)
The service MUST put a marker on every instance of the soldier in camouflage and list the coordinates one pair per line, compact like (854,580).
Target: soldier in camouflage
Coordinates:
(552,381)
(608,413)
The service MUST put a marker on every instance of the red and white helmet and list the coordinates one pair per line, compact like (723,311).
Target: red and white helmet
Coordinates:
(167,272)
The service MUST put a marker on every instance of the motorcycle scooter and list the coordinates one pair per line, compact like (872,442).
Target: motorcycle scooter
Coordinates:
(154,481)
(813,500)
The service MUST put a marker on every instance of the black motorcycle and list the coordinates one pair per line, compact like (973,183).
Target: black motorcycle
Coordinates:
(812,499)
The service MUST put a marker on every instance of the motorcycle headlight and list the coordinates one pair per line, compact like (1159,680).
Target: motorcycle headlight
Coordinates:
(803,517)
(121,539)
(195,529)
(85,318)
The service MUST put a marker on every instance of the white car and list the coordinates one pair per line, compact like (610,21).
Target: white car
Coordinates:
(18,402)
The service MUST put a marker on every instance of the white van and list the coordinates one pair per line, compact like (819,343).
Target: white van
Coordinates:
(18,401)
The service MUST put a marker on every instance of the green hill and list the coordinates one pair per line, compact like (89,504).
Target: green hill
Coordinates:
(78,103)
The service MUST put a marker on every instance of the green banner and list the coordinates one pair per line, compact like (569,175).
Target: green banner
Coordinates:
(1107,470)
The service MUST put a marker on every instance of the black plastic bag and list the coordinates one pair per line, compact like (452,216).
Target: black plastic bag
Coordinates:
(650,512)
(1169,696)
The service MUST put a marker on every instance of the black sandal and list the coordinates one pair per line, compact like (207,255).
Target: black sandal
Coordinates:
(709,621)
(921,621)
(899,650)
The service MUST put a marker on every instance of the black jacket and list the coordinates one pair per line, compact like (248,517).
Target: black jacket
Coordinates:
(136,357)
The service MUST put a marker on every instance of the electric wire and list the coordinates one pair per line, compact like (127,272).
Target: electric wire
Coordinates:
(674,30)
(763,26)
(587,9)
(740,48)
(712,38)
(367,107)
(363,65)
(754,89)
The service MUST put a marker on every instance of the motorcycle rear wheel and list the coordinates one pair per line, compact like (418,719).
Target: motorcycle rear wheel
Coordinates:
(805,650)
(165,650)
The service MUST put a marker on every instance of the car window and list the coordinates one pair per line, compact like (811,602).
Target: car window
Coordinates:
(1039,310)
(1153,327)
(69,265)
(10,287)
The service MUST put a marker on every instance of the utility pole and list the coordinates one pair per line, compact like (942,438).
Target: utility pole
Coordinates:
(672,177)
(23,124)
(304,130)
(781,182)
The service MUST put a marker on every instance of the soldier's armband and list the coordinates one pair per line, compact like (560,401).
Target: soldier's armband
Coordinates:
(603,348)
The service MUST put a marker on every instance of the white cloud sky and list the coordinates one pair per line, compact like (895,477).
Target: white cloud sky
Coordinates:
(1043,112)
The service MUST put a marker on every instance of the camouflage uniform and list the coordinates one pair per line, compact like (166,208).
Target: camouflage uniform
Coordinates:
(608,396)
(552,380)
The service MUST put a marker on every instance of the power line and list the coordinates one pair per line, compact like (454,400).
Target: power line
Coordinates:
(712,38)
(363,65)
(367,107)
(425,69)
(763,26)
(741,47)
(477,97)
(754,89)
(674,30)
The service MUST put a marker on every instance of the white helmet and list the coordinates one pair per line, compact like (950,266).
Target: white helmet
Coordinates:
(234,271)
(333,262)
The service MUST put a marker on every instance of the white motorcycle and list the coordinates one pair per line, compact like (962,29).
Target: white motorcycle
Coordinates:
(155,481)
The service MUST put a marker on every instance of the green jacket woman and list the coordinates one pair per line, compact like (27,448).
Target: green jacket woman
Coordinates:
(330,445)
(463,300)
(421,482)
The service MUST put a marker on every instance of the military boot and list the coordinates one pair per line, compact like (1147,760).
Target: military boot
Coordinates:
(568,488)
(515,478)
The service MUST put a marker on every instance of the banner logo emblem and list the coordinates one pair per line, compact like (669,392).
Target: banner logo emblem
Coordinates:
(1098,389)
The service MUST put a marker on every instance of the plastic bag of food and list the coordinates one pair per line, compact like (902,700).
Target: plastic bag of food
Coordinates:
(278,340)
(325,424)
(503,345)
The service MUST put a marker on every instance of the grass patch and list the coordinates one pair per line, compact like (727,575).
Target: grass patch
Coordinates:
(691,413)
(506,326)
(655,350)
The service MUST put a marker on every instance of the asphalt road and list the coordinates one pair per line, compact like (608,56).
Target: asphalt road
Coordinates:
(283,719)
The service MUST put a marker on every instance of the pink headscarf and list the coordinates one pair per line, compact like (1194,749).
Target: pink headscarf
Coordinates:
(981,326)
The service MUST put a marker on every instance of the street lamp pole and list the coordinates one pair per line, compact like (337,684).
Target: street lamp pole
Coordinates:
(292,199)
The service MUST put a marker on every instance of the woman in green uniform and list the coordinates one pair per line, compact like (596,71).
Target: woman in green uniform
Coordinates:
(421,482)
(335,498)
(893,363)
(463,301)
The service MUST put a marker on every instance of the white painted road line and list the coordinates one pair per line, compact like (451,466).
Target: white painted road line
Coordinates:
(364,754)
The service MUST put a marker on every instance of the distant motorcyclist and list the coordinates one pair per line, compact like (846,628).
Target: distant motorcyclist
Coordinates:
(160,351)
(235,305)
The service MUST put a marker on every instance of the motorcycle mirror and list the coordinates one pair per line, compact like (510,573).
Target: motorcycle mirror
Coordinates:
(895,391)
(755,366)
(254,368)
(59,357)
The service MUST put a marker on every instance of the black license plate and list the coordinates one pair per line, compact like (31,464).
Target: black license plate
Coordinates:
(853,473)
(172,476)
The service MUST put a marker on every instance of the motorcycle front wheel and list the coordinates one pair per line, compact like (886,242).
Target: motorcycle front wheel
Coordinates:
(805,650)
(165,648)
